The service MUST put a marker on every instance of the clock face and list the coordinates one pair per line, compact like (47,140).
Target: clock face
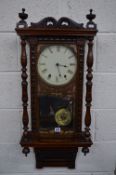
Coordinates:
(57,64)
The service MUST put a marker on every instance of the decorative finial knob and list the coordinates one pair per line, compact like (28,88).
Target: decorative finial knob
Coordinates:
(23,10)
(85,150)
(90,17)
(23,16)
(91,10)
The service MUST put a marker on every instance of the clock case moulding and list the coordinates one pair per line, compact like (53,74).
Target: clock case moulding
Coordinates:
(56,148)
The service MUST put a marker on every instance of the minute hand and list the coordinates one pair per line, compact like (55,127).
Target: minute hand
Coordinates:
(62,65)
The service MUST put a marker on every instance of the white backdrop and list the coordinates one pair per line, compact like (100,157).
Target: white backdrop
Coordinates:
(102,157)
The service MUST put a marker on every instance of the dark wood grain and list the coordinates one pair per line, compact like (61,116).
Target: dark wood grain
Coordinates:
(24,76)
(61,23)
(89,77)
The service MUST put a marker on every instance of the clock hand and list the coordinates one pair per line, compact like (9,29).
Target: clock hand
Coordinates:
(57,64)
(61,65)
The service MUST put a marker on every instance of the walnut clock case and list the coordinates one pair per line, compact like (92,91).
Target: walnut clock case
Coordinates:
(57,50)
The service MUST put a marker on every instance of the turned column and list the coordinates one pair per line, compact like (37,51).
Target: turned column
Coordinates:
(88,99)
(25,117)
(89,77)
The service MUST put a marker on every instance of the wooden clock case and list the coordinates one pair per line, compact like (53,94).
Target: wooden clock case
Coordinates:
(53,148)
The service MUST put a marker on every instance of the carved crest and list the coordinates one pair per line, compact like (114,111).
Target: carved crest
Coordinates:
(52,22)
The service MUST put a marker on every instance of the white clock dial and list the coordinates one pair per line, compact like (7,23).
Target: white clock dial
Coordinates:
(57,64)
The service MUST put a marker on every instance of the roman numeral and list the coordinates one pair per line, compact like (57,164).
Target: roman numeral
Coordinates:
(49,76)
(58,48)
(44,56)
(72,64)
(50,49)
(42,63)
(71,56)
(70,71)
(56,79)
(44,70)
(65,50)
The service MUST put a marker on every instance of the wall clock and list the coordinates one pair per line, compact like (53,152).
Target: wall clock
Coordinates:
(57,50)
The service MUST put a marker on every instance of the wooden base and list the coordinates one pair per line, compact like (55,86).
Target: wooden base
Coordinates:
(55,158)
(55,152)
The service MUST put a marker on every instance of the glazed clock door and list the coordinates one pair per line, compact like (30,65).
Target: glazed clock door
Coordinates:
(57,67)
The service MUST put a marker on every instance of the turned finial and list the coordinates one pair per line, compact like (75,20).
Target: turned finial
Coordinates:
(23,16)
(91,17)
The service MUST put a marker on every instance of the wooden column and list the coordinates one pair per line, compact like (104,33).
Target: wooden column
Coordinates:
(25,117)
(89,77)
